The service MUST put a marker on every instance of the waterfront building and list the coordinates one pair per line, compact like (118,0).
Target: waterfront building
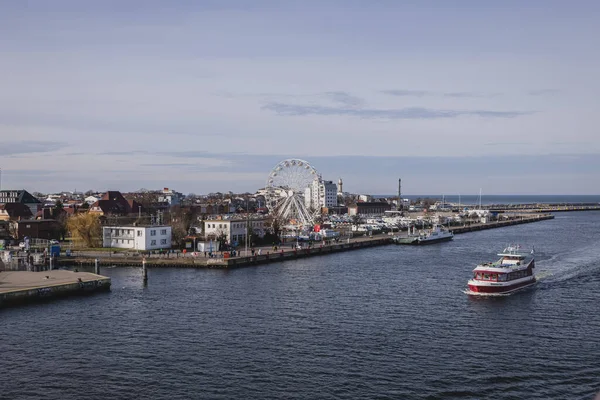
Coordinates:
(20,196)
(38,229)
(320,194)
(234,229)
(151,237)
(369,208)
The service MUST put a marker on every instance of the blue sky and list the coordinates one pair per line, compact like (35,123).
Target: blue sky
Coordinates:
(206,96)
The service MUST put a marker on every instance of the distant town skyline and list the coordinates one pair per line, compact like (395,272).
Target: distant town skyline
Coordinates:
(209,96)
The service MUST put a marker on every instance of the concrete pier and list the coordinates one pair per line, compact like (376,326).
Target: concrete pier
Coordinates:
(281,254)
(21,286)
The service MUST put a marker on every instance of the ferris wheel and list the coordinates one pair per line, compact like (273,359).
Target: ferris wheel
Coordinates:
(285,190)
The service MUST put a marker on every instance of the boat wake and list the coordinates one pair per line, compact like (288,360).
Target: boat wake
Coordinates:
(584,261)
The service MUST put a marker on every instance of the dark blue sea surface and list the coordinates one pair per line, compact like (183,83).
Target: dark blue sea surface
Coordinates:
(386,323)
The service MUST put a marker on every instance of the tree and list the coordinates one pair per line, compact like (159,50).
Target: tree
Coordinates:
(221,237)
(13,229)
(57,209)
(181,220)
(85,229)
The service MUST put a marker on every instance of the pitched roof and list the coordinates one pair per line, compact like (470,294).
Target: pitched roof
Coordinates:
(22,196)
(113,202)
(16,210)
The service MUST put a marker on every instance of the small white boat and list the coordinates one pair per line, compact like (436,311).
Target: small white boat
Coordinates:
(435,235)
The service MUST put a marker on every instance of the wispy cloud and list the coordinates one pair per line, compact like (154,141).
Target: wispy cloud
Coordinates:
(403,113)
(423,93)
(510,144)
(544,92)
(407,93)
(122,153)
(345,99)
(28,147)
(470,94)
(168,165)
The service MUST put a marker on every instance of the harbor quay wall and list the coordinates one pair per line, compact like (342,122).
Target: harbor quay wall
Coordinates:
(523,219)
(37,291)
(276,256)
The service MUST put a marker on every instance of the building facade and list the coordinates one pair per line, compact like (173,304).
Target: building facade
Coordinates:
(321,194)
(369,208)
(233,229)
(137,237)
(170,196)
(20,196)
(38,229)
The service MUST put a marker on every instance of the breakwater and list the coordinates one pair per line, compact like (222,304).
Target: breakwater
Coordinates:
(523,219)
(17,287)
(270,256)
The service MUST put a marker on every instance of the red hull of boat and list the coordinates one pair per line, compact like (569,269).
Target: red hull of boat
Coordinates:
(499,289)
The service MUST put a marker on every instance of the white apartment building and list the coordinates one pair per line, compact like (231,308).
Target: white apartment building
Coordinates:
(137,237)
(170,196)
(234,229)
(321,194)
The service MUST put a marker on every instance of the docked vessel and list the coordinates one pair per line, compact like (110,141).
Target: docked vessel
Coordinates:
(513,271)
(435,235)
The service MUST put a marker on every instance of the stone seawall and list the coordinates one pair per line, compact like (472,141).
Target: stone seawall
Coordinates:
(17,287)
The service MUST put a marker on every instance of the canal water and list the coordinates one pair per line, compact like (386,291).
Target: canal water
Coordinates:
(386,323)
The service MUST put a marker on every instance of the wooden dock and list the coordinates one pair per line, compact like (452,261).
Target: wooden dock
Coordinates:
(18,287)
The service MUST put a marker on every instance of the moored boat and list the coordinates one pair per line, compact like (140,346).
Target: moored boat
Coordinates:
(513,271)
(435,235)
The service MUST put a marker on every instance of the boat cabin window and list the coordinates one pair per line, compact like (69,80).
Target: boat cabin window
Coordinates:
(502,278)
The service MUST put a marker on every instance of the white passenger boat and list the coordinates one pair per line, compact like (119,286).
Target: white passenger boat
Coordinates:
(513,271)
(435,235)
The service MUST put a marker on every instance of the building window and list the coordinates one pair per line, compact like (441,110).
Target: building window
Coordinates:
(163,231)
(139,233)
(153,243)
(163,241)
(153,232)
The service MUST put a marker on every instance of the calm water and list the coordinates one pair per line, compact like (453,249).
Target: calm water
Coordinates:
(385,323)
(472,199)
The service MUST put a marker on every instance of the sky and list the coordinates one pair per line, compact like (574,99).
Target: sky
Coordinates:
(207,96)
